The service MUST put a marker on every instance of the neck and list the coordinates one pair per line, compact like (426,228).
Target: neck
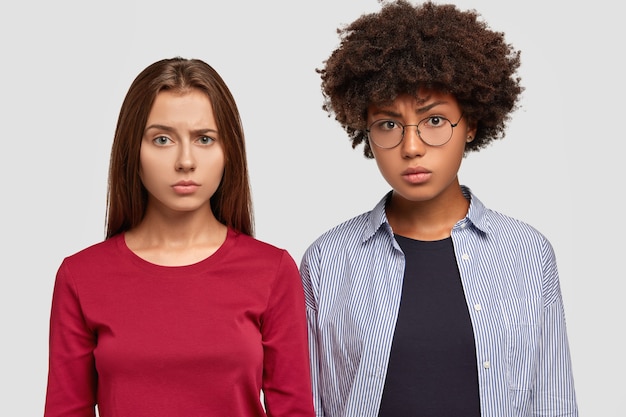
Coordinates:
(179,239)
(427,220)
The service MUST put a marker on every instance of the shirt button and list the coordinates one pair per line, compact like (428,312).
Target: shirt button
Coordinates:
(477,307)
(465,256)
(486,364)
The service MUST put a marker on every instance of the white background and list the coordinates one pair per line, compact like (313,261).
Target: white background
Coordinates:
(66,66)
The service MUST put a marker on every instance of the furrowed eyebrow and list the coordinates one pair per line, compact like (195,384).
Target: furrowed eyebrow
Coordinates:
(420,110)
(170,129)
(203,131)
(159,127)
(430,106)
(388,113)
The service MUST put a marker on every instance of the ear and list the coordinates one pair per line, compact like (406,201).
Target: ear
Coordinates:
(470,133)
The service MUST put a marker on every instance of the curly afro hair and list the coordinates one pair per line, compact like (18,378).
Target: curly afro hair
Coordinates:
(403,48)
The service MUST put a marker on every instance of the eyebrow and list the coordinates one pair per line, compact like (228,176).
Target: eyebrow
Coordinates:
(171,129)
(430,106)
(420,110)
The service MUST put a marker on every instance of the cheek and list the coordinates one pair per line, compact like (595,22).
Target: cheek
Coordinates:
(150,167)
(384,161)
(217,161)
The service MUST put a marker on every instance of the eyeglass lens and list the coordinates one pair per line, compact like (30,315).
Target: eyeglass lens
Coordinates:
(434,131)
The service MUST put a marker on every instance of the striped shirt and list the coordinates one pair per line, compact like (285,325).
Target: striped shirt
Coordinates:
(352,277)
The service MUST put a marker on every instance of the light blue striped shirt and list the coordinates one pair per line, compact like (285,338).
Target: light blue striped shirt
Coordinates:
(352,277)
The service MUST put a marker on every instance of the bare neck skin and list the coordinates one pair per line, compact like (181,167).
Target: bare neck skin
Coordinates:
(176,239)
(427,220)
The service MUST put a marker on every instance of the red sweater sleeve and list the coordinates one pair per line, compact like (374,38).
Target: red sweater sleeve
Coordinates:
(72,377)
(286,375)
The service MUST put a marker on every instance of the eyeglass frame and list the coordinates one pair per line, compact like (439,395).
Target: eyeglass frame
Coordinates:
(452,125)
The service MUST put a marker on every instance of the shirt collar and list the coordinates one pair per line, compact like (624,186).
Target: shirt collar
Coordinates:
(377,218)
(476,215)
(477,212)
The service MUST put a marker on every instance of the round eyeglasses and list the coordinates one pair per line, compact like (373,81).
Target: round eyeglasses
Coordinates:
(433,131)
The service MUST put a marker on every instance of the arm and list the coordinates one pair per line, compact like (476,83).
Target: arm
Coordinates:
(555,395)
(286,375)
(308,272)
(72,377)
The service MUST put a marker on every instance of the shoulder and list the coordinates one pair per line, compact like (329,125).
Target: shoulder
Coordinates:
(255,250)
(262,262)
(500,234)
(502,227)
(98,252)
(510,228)
(341,242)
(348,231)
(90,264)
(349,236)
(250,243)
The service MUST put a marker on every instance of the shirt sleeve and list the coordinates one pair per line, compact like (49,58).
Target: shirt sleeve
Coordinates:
(72,380)
(555,395)
(308,273)
(286,374)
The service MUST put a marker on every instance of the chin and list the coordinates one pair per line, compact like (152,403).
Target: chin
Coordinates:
(413,196)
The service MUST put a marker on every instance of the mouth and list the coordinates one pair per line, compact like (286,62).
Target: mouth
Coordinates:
(185,183)
(416,175)
(185,187)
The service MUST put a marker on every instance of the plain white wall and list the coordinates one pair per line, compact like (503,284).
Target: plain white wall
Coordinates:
(66,66)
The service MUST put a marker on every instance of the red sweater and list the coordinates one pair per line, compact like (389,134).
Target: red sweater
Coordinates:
(202,340)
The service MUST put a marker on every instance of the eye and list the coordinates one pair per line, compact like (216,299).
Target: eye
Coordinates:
(435,121)
(205,140)
(386,125)
(162,140)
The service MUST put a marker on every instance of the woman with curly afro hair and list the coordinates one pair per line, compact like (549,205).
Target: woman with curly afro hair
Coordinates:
(431,304)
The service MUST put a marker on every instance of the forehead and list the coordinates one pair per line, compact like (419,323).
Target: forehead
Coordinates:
(422,100)
(185,104)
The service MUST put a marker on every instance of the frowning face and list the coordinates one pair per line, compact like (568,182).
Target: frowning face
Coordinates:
(181,157)
(418,171)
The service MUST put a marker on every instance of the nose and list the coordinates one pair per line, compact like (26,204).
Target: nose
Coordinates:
(185,160)
(412,144)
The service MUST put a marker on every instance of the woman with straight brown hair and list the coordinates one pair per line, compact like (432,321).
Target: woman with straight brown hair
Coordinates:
(180,311)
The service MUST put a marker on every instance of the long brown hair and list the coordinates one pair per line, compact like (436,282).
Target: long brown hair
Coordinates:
(126,196)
